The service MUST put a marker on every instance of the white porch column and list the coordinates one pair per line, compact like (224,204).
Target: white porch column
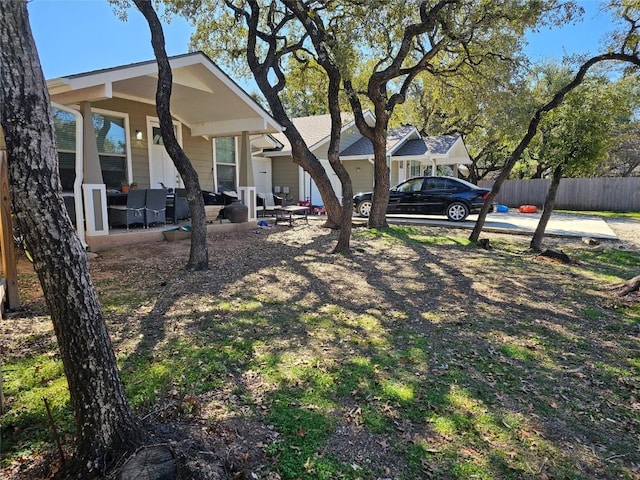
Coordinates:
(94,189)
(92,170)
(246,183)
(95,203)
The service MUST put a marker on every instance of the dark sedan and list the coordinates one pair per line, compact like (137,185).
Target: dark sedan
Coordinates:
(448,196)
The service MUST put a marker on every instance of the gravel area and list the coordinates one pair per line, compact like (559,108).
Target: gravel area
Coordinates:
(627,231)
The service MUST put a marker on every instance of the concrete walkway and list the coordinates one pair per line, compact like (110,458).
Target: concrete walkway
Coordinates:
(561,225)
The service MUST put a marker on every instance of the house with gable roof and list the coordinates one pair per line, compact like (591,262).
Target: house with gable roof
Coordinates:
(109,134)
(409,154)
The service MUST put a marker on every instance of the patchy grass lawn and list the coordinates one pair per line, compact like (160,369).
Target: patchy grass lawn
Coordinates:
(419,356)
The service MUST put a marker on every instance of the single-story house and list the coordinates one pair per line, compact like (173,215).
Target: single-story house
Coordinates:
(109,134)
(409,154)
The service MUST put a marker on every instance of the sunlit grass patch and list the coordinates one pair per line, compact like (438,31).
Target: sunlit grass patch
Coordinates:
(237,305)
(120,303)
(610,264)
(516,351)
(398,391)
(629,215)
(26,383)
(180,367)
(408,234)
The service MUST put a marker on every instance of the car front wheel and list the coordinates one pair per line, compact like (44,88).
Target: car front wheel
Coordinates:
(457,212)
(364,208)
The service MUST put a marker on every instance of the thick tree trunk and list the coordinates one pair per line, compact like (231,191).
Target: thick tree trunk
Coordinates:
(199,254)
(381,186)
(346,213)
(549,202)
(106,426)
(310,163)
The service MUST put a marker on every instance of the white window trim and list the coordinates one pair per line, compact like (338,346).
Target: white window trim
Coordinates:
(215,162)
(127,135)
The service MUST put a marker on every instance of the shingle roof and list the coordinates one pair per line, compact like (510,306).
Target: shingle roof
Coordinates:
(313,129)
(363,146)
(439,145)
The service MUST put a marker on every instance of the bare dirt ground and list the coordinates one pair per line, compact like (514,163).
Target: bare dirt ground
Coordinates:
(293,266)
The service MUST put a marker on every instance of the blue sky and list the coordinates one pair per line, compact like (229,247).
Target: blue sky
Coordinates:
(75,36)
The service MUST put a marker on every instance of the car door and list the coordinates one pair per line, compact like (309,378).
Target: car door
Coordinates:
(405,197)
(435,195)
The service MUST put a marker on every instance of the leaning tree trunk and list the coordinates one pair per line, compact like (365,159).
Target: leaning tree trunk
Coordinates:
(106,426)
(533,128)
(199,255)
(549,202)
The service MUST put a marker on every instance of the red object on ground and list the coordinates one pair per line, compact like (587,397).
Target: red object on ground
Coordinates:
(528,209)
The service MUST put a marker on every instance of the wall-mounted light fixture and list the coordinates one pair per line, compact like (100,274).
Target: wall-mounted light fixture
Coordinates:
(358,170)
(138,134)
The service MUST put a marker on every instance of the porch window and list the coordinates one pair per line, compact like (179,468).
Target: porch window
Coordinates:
(112,148)
(415,168)
(65,126)
(225,163)
(111,140)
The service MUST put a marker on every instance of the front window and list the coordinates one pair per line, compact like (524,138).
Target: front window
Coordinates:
(112,148)
(111,140)
(415,168)
(225,161)
(65,126)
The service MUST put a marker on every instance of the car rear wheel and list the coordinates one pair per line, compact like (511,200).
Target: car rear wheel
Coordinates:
(457,212)
(364,208)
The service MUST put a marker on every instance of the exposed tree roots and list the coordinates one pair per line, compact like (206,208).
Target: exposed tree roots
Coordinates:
(557,255)
(625,288)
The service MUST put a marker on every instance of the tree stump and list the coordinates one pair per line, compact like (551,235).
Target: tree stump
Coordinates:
(150,463)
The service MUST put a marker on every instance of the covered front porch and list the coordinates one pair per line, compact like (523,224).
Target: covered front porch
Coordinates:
(109,136)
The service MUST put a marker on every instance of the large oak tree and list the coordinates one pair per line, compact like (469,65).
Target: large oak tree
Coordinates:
(378,49)
(105,424)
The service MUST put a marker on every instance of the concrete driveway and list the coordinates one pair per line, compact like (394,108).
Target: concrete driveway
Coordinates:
(561,225)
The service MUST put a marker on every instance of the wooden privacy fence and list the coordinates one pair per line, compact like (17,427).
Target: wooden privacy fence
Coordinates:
(597,194)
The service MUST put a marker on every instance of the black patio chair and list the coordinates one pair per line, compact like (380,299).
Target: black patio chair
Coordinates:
(177,205)
(155,208)
(130,214)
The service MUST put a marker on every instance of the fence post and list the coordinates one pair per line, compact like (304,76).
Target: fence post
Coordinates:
(7,246)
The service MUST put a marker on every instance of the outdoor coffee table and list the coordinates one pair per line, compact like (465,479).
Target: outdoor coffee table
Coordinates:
(291,214)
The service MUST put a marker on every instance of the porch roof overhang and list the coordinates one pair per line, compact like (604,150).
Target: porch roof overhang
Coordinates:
(203,97)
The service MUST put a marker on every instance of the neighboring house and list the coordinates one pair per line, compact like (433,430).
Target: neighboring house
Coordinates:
(408,153)
(108,133)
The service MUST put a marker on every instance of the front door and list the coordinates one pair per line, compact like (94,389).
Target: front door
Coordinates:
(162,171)
(262,174)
